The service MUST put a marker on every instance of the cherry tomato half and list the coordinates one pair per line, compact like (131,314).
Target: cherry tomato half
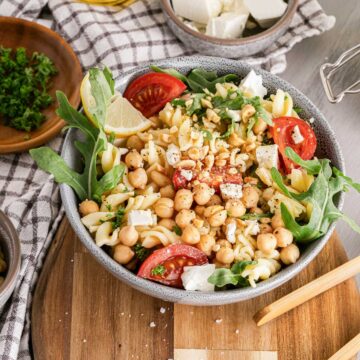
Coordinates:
(217,175)
(150,92)
(282,133)
(171,260)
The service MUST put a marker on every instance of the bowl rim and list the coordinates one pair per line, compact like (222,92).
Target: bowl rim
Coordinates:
(15,261)
(74,99)
(284,21)
(181,295)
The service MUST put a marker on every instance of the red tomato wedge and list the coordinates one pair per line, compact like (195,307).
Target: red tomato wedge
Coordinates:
(217,176)
(172,258)
(282,133)
(150,92)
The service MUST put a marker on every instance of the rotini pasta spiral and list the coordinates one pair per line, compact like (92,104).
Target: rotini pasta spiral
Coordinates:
(158,235)
(142,202)
(105,235)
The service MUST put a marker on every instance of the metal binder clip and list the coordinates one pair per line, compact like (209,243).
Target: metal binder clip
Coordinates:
(326,75)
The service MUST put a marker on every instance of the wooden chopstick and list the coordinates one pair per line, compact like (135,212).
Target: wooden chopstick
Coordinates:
(348,350)
(307,292)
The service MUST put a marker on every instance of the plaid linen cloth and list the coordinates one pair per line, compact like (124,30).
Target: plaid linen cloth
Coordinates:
(119,38)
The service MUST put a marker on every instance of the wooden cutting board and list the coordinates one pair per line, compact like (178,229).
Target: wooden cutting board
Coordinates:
(80,311)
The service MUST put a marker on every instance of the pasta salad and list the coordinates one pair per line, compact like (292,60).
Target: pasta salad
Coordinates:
(213,186)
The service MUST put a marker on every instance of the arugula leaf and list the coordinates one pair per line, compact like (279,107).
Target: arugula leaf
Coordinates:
(260,111)
(199,79)
(109,79)
(250,126)
(230,104)
(178,102)
(222,276)
(229,131)
(171,72)
(320,195)
(177,230)
(196,104)
(49,161)
(158,270)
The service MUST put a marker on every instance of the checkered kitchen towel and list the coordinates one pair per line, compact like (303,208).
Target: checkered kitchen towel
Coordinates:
(121,39)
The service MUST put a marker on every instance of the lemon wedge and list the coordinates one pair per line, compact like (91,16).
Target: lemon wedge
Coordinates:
(122,118)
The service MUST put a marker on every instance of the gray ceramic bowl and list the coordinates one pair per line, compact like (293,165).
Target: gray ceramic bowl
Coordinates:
(10,245)
(230,48)
(327,147)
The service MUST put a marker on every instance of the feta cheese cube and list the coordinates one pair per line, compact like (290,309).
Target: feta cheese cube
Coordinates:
(187,174)
(237,6)
(235,115)
(227,26)
(141,218)
(230,232)
(199,11)
(196,277)
(231,191)
(266,12)
(297,136)
(267,156)
(252,85)
(173,154)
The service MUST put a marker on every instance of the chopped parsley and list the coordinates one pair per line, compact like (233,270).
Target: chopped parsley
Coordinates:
(111,137)
(141,252)
(158,270)
(298,109)
(119,218)
(24,85)
(178,102)
(256,216)
(207,134)
(177,230)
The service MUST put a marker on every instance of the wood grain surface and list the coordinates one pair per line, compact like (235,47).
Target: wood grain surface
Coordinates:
(80,311)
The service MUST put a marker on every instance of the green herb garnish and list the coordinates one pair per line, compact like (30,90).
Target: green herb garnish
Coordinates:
(141,252)
(222,276)
(24,85)
(256,216)
(88,184)
(207,134)
(328,182)
(177,230)
(298,109)
(158,270)
(178,102)
(119,218)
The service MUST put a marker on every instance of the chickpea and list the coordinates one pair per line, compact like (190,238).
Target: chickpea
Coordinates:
(190,235)
(235,140)
(123,254)
(199,210)
(224,243)
(134,142)
(159,178)
(266,243)
(214,200)
(138,178)
(168,223)
(277,221)
(265,229)
(164,208)
(87,207)
(247,112)
(185,217)
(290,254)
(167,192)
(250,197)
(225,255)
(202,193)
(133,160)
(268,194)
(235,208)
(218,218)
(283,236)
(128,235)
(183,199)
(206,243)
(260,126)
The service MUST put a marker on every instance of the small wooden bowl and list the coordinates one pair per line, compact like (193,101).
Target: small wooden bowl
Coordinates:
(16,33)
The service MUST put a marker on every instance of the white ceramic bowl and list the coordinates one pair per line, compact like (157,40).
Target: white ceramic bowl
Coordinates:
(327,147)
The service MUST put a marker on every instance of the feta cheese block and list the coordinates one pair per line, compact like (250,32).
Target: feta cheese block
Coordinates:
(199,10)
(187,174)
(267,156)
(297,136)
(196,277)
(227,26)
(173,154)
(266,12)
(230,232)
(231,191)
(140,218)
(252,85)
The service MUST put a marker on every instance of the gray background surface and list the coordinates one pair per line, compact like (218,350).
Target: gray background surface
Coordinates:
(304,62)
